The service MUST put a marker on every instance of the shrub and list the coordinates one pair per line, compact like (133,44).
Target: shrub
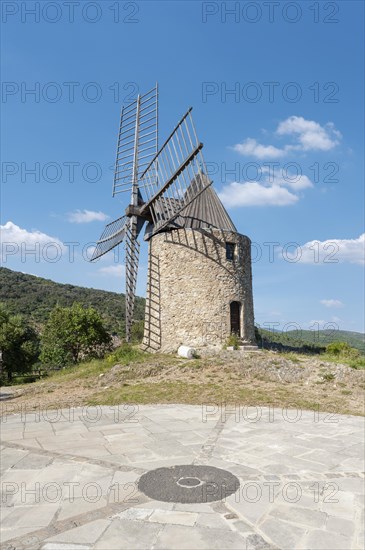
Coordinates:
(125,354)
(232,341)
(357,363)
(342,349)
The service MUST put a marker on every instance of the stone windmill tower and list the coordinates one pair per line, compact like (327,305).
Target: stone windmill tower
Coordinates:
(199,288)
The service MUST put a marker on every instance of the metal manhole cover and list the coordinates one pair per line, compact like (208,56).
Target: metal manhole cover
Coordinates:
(188,484)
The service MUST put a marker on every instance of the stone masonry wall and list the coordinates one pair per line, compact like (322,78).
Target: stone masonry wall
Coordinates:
(191,285)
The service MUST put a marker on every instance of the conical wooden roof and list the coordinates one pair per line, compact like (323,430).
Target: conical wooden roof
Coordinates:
(204,212)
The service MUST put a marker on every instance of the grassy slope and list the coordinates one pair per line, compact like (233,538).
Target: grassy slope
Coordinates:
(266,378)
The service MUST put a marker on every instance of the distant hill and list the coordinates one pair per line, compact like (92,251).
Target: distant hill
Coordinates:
(315,339)
(35,297)
(324,337)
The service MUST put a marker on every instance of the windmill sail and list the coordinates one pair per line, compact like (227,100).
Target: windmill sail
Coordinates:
(137,140)
(181,175)
(112,235)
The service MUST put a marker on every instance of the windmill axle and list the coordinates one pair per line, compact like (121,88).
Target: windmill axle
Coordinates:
(132,211)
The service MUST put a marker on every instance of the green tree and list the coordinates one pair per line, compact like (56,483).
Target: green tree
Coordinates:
(73,333)
(19,344)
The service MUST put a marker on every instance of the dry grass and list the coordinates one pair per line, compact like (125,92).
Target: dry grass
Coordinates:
(265,378)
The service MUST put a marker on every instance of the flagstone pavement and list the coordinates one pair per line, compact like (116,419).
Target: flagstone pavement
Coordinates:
(70,478)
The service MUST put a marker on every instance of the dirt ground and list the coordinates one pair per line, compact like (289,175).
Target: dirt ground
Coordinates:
(261,378)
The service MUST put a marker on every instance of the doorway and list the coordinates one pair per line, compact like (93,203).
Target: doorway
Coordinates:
(236,318)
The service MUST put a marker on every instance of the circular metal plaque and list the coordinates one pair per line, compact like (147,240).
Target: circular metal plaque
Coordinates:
(188,483)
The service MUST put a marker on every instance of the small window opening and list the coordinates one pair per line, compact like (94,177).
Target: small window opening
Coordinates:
(230,251)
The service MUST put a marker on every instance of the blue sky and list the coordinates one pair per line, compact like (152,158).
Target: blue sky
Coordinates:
(277,93)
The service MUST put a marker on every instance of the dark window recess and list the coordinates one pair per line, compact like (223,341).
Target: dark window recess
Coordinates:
(230,250)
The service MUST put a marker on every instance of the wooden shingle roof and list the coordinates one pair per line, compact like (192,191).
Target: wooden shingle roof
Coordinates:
(206,211)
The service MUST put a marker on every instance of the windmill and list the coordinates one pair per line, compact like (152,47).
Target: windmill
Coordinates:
(162,182)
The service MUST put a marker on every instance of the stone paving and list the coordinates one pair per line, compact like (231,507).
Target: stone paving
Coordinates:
(70,478)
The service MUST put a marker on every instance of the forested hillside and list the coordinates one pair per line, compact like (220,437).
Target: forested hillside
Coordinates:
(35,297)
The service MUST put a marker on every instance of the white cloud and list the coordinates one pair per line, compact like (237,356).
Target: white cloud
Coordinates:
(251,148)
(28,245)
(11,233)
(331,251)
(113,270)
(272,190)
(252,193)
(308,135)
(332,303)
(86,216)
(296,181)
